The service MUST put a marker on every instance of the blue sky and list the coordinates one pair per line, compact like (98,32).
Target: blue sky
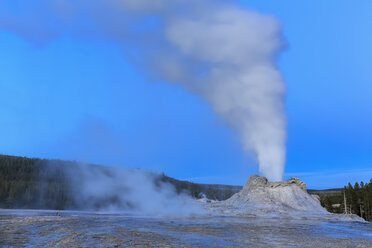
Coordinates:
(81,99)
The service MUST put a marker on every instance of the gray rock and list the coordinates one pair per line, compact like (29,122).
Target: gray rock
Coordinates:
(258,182)
(292,181)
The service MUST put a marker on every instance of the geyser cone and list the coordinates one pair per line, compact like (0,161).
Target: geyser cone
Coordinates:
(284,197)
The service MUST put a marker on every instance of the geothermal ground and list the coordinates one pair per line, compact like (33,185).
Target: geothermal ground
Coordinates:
(83,229)
(263,214)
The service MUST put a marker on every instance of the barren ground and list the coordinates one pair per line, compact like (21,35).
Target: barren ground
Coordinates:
(83,229)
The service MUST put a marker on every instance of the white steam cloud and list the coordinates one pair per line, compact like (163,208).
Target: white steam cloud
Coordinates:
(134,191)
(216,49)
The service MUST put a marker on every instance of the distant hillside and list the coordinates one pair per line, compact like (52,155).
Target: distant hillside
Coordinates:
(331,199)
(45,184)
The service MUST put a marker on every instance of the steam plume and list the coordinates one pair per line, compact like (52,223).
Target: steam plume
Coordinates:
(216,49)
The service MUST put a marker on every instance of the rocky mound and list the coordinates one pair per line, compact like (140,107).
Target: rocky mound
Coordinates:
(259,194)
(287,199)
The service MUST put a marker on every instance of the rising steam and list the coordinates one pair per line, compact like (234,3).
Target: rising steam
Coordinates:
(216,49)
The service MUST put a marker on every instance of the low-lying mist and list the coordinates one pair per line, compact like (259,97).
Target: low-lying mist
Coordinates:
(100,188)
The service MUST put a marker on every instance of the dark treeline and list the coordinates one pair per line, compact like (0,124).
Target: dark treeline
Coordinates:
(32,183)
(355,199)
(45,184)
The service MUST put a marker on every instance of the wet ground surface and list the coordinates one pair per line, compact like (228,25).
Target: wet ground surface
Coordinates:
(20,228)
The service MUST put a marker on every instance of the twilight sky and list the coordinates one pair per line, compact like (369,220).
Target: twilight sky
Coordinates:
(81,99)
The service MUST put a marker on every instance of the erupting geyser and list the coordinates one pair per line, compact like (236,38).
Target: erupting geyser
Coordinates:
(216,49)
